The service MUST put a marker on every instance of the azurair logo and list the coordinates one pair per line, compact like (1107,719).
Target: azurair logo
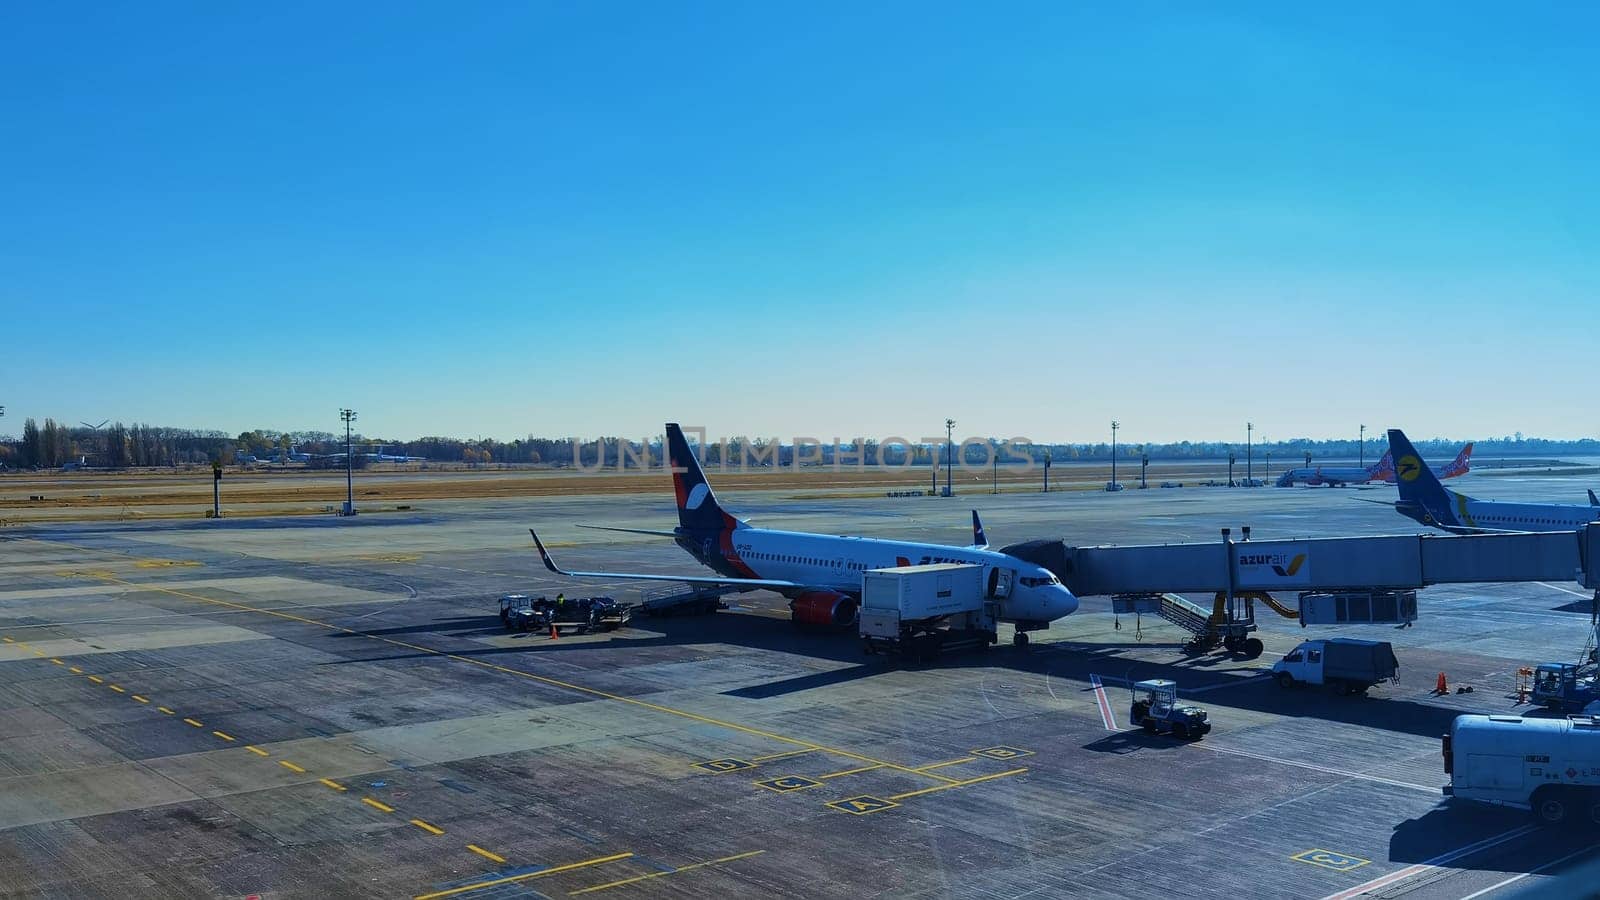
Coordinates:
(1294,566)
(1282,564)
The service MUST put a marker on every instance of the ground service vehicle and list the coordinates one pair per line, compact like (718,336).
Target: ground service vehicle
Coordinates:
(522,613)
(519,612)
(1346,665)
(920,611)
(1548,766)
(1565,687)
(1155,708)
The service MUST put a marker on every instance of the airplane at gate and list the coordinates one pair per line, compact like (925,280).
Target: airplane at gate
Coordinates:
(821,573)
(1423,498)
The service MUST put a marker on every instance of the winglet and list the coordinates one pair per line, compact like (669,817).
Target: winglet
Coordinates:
(1593,500)
(979,541)
(545,554)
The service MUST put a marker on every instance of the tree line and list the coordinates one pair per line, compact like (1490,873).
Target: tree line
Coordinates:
(119,446)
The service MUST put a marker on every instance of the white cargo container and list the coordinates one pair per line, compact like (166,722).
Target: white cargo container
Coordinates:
(923,610)
(923,592)
(1550,766)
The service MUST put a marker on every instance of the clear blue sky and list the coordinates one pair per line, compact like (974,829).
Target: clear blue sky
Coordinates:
(503,218)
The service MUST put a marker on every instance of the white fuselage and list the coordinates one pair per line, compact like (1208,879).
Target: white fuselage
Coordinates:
(1329,475)
(830,562)
(1504,516)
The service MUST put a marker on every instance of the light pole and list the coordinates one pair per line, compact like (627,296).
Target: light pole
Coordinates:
(1249,468)
(1114,426)
(949,454)
(1363,446)
(1144,466)
(1308,459)
(1047,470)
(348,416)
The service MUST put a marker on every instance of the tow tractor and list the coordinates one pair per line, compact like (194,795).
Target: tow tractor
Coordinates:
(581,614)
(1158,712)
(519,612)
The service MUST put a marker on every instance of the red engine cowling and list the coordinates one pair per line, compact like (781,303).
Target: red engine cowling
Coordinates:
(823,608)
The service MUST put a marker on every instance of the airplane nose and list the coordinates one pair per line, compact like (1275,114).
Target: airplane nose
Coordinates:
(1065,604)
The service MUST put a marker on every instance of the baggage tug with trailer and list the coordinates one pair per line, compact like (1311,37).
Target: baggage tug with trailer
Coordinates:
(1548,766)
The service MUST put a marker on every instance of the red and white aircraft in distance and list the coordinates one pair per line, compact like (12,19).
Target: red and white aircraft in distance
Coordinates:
(821,573)
(1382,470)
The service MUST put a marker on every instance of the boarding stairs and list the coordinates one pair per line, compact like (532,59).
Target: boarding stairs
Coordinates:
(1188,615)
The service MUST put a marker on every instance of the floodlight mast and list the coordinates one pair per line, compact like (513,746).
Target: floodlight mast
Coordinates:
(348,416)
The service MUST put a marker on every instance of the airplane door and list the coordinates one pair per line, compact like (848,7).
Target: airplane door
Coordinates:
(1000,582)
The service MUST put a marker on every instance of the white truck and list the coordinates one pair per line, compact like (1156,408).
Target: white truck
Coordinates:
(919,611)
(1549,766)
(1346,665)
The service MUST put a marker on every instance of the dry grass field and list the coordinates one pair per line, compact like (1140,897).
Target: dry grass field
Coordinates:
(173,493)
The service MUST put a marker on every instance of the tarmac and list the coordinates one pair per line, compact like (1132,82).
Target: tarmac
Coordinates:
(326,707)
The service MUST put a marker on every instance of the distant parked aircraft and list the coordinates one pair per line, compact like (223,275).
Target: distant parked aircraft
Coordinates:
(1339,476)
(1423,498)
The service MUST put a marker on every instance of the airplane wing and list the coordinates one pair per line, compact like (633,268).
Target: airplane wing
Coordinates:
(1388,503)
(631,530)
(635,576)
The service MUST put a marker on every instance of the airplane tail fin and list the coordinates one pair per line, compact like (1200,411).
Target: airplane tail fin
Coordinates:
(1419,487)
(1593,500)
(1383,469)
(698,509)
(1460,465)
(981,541)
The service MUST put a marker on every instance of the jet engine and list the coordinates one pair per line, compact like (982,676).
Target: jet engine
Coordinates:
(823,608)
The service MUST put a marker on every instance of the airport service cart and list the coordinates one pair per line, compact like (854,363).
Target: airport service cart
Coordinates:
(920,611)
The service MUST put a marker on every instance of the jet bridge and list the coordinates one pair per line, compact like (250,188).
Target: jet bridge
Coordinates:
(1354,579)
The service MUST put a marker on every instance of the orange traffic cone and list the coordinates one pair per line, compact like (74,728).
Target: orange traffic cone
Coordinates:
(556,634)
(1441,688)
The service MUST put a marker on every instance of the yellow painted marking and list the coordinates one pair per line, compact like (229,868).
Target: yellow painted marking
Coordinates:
(8,639)
(769,758)
(291,766)
(57,661)
(554,870)
(75,670)
(139,698)
(518,673)
(953,762)
(258,751)
(864,805)
(1329,859)
(377,804)
(333,784)
(431,829)
(639,878)
(119,689)
(97,679)
(22,644)
(226,737)
(194,723)
(848,772)
(946,787)
(37,652)
(492,857)
(167,711)
(788,783)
